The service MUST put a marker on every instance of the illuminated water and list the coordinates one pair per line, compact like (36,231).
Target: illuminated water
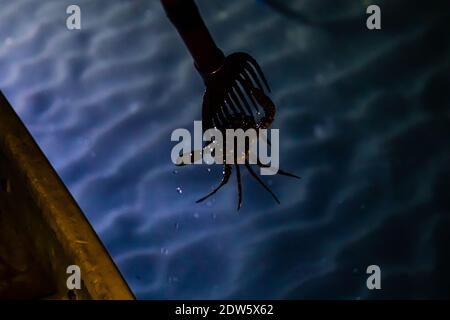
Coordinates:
(363,118)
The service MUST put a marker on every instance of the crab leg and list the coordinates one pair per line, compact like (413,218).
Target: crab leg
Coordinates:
(226,177)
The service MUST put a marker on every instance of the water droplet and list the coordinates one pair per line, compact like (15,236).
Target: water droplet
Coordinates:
(164,251)
(209,169)
(196,215)
(175,171)
(179,190)
(208,203)
(177,226)
(214,216)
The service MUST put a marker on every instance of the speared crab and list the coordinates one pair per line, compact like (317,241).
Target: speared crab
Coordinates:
(235,97)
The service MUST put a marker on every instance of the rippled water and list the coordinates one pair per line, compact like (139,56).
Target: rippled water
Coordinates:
(363,118)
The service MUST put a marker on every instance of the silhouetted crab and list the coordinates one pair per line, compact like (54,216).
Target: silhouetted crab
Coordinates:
(234,98)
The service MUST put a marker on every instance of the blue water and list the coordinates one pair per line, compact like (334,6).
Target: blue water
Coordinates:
(363,117)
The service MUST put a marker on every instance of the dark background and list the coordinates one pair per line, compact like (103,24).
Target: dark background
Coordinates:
(363,118)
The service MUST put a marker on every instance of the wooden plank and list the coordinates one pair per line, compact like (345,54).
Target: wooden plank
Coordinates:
(43,229)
